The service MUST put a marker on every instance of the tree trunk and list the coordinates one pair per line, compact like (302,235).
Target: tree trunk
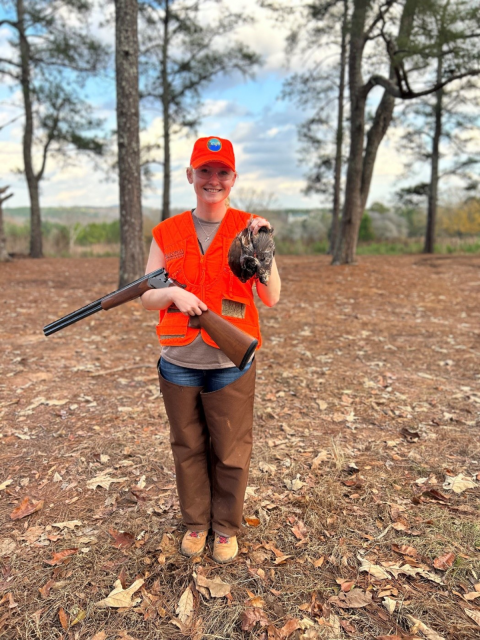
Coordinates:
(360,168)
(339,137)
(132,263)
(352,209)
(384,112)
(4,257)
(166,118)
(429,246)
(36,250)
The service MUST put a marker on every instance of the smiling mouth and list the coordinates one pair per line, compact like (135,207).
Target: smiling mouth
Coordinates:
(211,190)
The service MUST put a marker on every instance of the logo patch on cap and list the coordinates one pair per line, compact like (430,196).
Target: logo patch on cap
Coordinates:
(214,144)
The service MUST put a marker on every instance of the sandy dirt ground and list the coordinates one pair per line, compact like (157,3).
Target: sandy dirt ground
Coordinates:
(361,515)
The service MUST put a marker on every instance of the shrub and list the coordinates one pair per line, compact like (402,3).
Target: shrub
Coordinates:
(366,230)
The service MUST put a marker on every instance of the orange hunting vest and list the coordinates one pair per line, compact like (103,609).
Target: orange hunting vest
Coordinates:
(207,276)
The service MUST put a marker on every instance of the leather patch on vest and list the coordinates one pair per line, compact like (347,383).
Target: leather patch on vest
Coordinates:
(175,254)
(233,309)
(173,309)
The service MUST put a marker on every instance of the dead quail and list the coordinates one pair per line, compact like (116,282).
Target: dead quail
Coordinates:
(252,255)
(264,248)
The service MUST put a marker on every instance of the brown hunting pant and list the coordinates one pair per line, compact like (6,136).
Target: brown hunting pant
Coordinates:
(211,439)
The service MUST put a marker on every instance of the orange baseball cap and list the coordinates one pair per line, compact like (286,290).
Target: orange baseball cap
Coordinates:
(212,149)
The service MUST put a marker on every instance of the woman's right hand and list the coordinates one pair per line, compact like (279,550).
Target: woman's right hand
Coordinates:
(187,302)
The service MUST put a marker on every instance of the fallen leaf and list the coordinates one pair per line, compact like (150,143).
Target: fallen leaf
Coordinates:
(396,570)
(121,539)
(405,550)
(346,585)
(472,595)
(7,547)
(267,468)
(295,484)
(25,508)
(436,495)
(5,484)
(45,590)
(255,601)
(417,625)
(100,635)
(70,524)
(322,405)
(354,599)
(318,563)
(216,586)
(474,615)
(299,530)
(61,556)
(444,562)
(63,617)
(349,628)
(373,569)
(289,627)
(103,481)
(252,521)
(250,617)
(121,597)
(11,602)
(459,483)
(185,605)
(389,604)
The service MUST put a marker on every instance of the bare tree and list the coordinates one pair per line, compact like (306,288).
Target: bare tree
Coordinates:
(410,53)
(441,128)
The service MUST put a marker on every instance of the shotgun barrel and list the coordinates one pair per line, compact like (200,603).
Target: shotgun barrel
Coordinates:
(135,289)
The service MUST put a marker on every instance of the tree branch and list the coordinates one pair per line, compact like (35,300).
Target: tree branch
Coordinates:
(10,24)
(399,92)
(384,9)
(2,200)
(12,62)
(50,137)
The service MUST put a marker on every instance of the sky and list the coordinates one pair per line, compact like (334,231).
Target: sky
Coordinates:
(262,127)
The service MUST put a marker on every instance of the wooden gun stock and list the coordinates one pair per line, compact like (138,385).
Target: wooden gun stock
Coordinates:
(235,343)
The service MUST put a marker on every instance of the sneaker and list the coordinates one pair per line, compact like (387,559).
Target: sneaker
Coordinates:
(193,543)
(225,548)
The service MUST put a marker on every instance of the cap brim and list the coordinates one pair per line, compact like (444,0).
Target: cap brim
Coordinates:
(211,158)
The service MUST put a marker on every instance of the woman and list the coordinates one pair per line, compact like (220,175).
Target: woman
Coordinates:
(209,401)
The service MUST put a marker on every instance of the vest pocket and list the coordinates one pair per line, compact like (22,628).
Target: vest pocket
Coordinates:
(233,308)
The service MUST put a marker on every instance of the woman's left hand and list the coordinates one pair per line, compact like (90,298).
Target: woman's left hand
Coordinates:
(259,222)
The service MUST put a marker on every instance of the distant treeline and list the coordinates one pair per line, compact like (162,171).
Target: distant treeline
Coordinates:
(383,229)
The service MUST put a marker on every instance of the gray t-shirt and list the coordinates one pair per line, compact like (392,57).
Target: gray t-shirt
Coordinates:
(198,354)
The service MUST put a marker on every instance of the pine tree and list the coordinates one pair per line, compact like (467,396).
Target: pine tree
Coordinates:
(50,52)
(128,141)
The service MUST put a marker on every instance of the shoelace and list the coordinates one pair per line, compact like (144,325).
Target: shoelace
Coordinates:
(222,540)
(194,534)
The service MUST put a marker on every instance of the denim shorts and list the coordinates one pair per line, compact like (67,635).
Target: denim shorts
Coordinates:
(209,379)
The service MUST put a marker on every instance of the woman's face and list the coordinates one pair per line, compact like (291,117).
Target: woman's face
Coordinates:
(212,181)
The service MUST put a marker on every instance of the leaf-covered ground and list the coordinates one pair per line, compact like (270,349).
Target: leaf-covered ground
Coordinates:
(361,515)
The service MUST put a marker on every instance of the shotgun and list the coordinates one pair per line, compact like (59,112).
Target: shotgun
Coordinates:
(235,343)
